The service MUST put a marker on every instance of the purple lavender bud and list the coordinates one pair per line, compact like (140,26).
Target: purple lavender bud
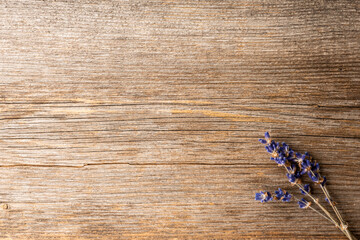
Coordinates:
(267,135)
(330,201)
(281,161)
(291,178)
(306,188)
(315,167)
(283,195)
(292,168)
(303,203)
(263,141)
(323,181)
(263,196)
(314,177)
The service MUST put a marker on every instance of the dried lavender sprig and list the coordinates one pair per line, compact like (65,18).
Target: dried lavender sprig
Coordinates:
(282,195)
(343,224)
(293,176)
(330,218)
(314,175)
(302,189)
(263,196)
(297,165)
(322,185)
(309,206)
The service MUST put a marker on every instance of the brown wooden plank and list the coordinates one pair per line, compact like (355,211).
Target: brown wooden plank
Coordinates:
(140,119)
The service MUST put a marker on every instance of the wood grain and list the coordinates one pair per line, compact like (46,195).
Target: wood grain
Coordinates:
(140,119)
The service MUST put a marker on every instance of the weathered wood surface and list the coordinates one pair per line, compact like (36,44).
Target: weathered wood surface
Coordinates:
(140,119)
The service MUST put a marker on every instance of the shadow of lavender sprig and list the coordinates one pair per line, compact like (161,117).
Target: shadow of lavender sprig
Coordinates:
(296,166)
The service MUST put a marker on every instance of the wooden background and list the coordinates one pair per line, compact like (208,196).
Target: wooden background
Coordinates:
(140,119)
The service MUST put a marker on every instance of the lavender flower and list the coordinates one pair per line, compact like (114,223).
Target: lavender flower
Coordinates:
(287,151)
(267,139)
(300,158)
(263,196)
(282,195)
(303,203)
(323,182)
(331,202)
(309,167)
(306,189)
(292,178)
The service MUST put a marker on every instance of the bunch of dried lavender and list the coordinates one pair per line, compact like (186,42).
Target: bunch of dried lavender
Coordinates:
(296,165)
